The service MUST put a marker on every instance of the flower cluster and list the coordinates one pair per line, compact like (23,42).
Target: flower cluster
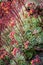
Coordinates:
(14,52)
(36,60)
(4,14)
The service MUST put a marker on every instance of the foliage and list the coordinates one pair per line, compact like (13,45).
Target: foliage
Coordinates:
(2,62)
(24,32)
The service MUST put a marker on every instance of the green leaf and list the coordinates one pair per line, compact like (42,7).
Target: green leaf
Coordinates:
(28,54)
(38,29)
(30,46)
(17,37)
(12,62)
(26,27)
(35,22)
(19,57)
(22,63)
(33,41)
(2,62)
(7,58)
(40,38)
(28,34)
(39,18)
(41,45)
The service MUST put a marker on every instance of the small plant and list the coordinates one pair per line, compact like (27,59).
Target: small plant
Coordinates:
(24,33)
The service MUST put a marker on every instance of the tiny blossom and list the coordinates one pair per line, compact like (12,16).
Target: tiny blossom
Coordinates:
(14,52)
(37,56)
(14,42)
(3,53)
(12,22)
(4,10)
(25,1)
(5,5)
(26,44)
(12,18)
(33,61)
(14,2)
(31,11)
(11,35)
(36,60)
(35,31)
(31,5)
(33,64)
(28,14)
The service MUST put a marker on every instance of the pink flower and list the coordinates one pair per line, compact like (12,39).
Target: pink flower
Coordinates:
(33,64)
(26,44)
(31,5)
(33,61)
(35,31)
(28,13)
(31,11)
(11,35)
(14,42)
(37,58)
(25,1)
(14,2)
(14,52)
(5,5)
(12,23)
(4,10)
(3,53)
